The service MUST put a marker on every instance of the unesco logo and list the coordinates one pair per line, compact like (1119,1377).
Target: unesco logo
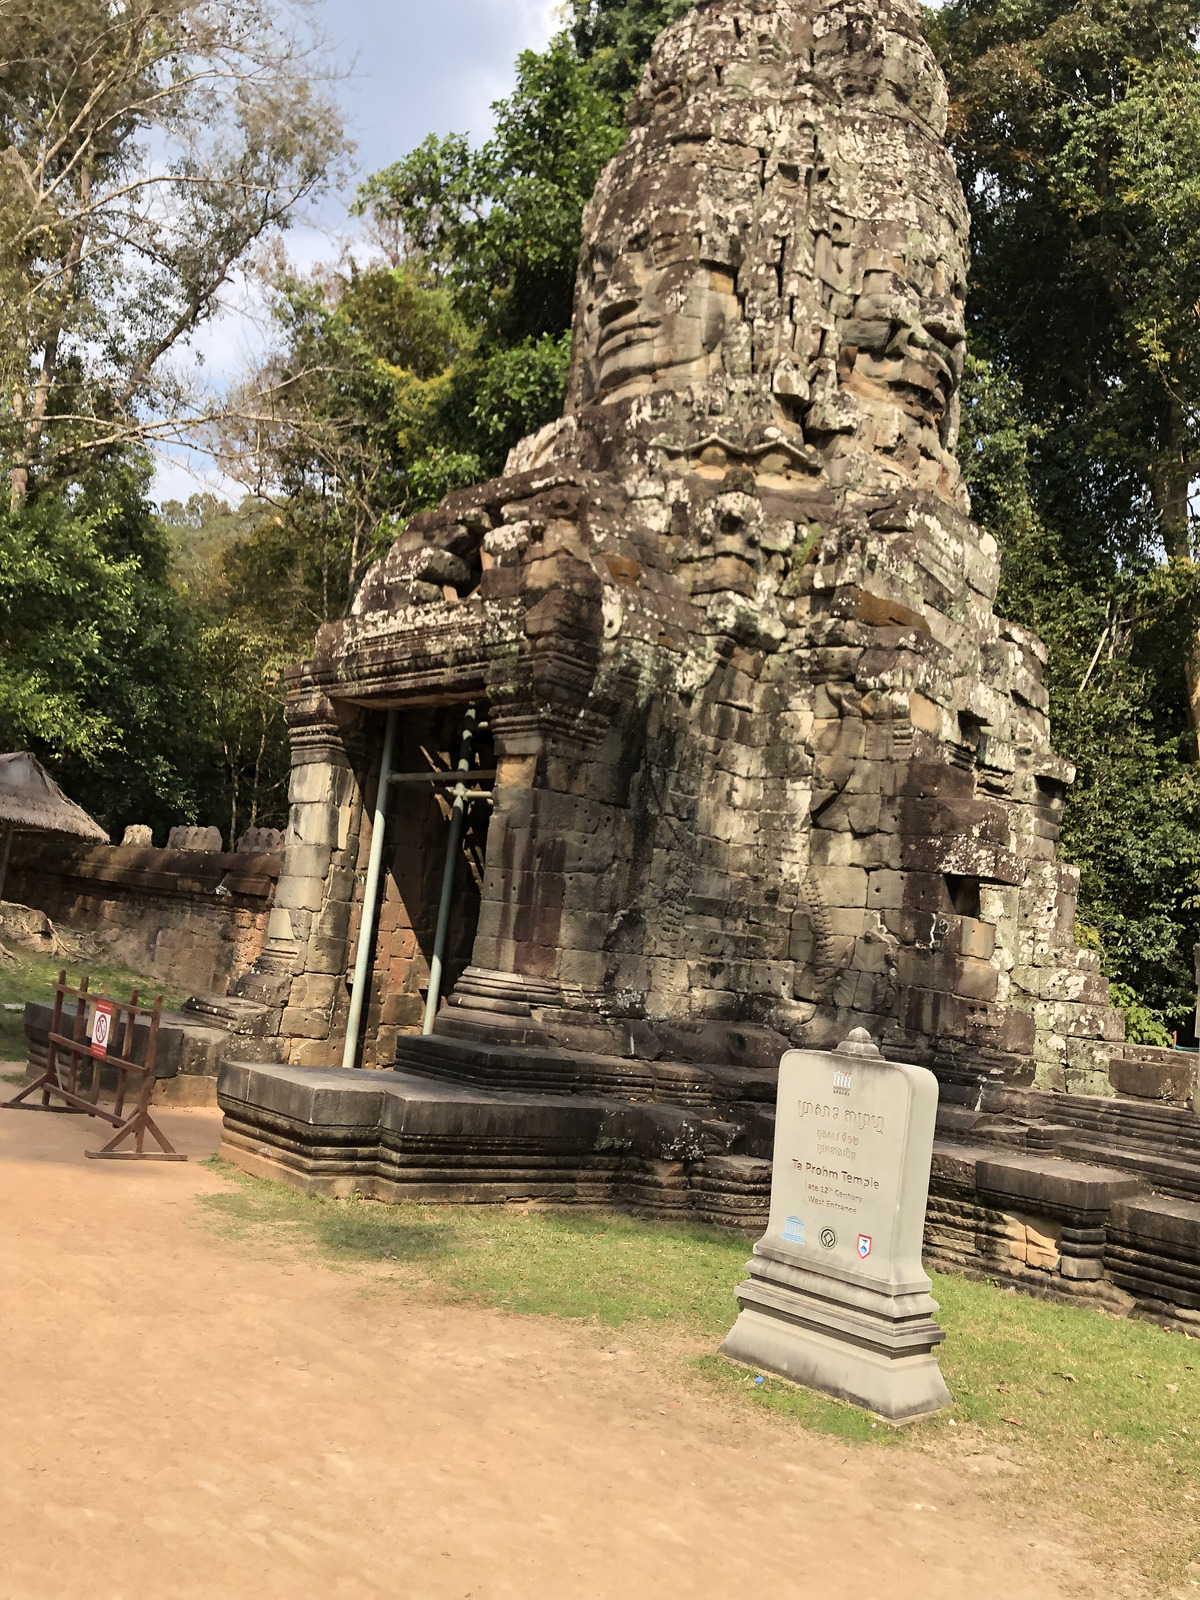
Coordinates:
(828,1238)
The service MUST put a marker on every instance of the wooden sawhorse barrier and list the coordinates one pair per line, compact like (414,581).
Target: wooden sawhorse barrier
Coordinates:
(112,1019)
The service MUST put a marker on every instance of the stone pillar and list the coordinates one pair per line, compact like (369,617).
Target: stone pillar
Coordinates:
(530,945)
(303,965)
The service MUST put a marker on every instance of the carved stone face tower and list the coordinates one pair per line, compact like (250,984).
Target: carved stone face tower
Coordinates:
(768,767)
(780,247)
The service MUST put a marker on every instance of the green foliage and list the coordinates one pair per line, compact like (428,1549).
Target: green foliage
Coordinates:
(401,380)
(236,573)
(239,667)
(126,664)
(615,38)
(1142,1026)
(440,469)
(145,150)
(93,651)
(501,224)
(401,319)
(1075,133)
(64,604)
(1117,703)
(276,570)
(368,420)
(521,389)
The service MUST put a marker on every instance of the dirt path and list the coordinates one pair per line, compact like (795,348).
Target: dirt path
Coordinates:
(183,1419)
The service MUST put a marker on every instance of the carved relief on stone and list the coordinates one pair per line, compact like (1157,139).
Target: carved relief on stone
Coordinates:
(780,247)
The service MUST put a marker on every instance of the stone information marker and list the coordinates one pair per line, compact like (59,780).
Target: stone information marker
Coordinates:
(836,1297)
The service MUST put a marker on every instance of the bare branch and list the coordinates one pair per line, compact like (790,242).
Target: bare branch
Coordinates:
(144,150)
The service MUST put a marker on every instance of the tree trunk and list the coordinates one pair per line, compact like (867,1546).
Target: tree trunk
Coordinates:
(1170,481)
(258,761)
(19,478)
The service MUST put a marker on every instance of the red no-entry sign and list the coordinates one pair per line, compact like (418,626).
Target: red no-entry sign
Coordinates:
(101,1027)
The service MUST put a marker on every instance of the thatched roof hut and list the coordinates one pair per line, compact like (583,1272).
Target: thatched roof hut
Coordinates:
(31,802)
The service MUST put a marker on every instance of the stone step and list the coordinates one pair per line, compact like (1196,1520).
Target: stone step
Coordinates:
(1117,1121)
(550,1071)
(1153,1249)
(1171,1175)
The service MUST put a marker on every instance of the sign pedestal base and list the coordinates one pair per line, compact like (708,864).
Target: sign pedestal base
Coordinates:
(868,1355)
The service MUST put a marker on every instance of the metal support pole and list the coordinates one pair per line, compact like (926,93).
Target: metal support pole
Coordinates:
(452,849)
(366,929)
(4,853)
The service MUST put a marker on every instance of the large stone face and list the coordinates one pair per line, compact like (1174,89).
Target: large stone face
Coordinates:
(777,256)
(769,767)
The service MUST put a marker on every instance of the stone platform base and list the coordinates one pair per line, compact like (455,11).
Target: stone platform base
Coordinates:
(1092,1201)
(396,1136)
(190,1050)
(1073,1198)
(181,1094)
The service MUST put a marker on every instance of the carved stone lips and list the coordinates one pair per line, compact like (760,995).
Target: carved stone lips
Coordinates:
(626,347)
(626,328)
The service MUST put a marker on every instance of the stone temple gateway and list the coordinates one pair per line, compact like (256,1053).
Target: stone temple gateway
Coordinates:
(765,766)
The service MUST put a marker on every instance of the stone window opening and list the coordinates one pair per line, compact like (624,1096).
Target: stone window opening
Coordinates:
(964,894)
(972,734)
(1051,791)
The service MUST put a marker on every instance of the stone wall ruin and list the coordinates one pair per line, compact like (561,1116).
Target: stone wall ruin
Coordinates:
(194,919)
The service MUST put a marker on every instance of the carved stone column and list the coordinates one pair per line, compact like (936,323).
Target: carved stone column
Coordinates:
(531,946)
(301,971)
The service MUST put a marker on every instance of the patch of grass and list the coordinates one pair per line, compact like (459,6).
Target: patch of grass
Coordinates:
(1101,1414)
(1052,1367)
(805,1406)
(32,976)
(615,1271)
(346,1234)
(607,1269)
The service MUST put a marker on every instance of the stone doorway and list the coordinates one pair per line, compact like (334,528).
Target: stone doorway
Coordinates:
(428,739)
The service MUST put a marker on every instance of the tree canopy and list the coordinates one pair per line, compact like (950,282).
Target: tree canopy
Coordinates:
(1076,133)
(144,150)
(1074,129)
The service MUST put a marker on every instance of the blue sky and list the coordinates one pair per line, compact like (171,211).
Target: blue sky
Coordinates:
(413,69)
(427,68)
